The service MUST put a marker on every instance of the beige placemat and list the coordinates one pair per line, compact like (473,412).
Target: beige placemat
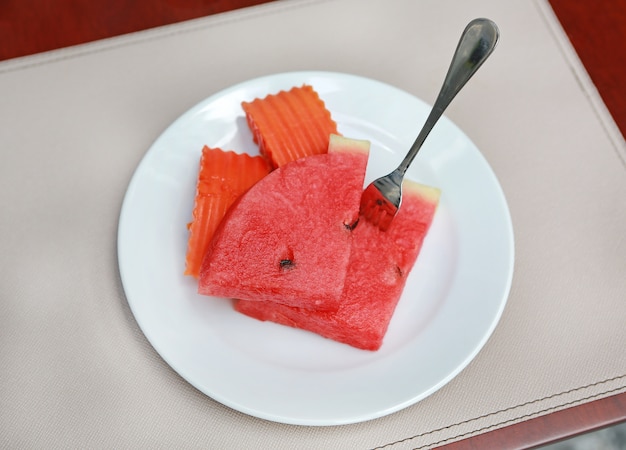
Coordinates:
(76,371)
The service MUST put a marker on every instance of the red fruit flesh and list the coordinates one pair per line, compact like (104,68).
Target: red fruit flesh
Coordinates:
(288,239)
(376,275)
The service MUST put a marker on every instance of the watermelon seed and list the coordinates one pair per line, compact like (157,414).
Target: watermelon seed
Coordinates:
(351,226)
(400,271)
(287,264)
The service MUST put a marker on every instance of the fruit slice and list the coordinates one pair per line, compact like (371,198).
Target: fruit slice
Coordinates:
(379,265)
(222,178)
(290,124)
(288,238)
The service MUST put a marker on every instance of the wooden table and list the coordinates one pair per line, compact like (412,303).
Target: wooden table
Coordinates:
(596,29)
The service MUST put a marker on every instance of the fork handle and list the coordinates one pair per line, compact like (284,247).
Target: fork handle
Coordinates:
(476,44)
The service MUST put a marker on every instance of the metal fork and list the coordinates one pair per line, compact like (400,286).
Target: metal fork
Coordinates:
(381,199)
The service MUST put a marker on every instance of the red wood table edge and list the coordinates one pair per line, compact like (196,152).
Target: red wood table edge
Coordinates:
(549,428)
(597,31)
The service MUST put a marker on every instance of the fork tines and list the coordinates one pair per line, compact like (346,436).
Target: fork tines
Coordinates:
(376,208)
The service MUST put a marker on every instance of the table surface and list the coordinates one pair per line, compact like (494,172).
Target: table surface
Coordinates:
(597,31)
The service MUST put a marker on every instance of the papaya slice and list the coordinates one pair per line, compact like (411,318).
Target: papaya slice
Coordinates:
(290,124)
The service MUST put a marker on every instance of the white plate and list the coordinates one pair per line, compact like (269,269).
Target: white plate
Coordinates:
(451,304)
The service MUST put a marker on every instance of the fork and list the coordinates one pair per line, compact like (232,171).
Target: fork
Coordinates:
(381,200)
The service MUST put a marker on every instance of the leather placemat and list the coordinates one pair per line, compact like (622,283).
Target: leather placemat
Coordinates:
(76,370)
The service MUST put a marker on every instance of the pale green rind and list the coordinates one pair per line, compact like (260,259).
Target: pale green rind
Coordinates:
(343,144)
(428,193)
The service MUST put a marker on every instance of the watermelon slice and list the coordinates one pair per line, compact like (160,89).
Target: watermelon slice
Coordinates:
(288,239)
(290,124)
(379,265)
(222,178)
